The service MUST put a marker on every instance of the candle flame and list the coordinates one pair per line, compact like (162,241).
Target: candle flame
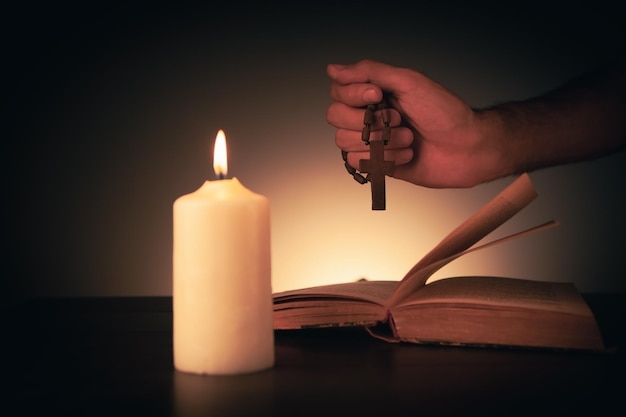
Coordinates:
(220,159)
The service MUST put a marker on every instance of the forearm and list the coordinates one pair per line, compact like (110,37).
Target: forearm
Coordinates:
(582,120)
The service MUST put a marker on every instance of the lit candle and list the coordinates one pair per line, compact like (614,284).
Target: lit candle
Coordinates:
(222,295)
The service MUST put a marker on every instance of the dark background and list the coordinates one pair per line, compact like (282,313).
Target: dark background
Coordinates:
(110,112)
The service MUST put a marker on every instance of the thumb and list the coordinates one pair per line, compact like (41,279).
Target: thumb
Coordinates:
(383,76)
(358,72)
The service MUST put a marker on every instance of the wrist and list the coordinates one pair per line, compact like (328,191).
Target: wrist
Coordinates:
(501,153)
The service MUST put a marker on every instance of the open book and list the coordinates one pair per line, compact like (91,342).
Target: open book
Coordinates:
(470,310)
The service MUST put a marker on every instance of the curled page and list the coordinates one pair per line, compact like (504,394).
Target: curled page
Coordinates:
(501,208)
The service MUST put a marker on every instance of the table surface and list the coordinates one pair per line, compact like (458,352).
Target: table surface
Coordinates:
(113,356)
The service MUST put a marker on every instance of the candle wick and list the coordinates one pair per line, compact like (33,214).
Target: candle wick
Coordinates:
(220,176)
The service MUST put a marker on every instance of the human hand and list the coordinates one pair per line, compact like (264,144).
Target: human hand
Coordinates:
(436,138)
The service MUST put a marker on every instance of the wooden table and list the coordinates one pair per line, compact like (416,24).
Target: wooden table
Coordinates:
(113,356)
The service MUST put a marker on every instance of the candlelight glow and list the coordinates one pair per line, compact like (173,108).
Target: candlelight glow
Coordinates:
(220,158)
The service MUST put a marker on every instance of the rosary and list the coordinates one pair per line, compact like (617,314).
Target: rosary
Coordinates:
(376,167)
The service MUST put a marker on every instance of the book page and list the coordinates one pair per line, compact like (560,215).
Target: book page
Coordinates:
(372,291)
(420,276)
(501,208)
(502,292)
(491,310)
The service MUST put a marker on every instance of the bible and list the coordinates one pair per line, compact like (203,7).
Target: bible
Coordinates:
(485,311)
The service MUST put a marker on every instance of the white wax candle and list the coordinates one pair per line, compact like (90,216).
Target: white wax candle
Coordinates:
(222,295)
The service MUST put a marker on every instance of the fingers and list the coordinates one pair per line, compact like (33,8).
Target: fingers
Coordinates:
(352,84)
(355,86)
(362,83)
(399,156)
(356,95)
(351,141)
(364,71)
(343,116)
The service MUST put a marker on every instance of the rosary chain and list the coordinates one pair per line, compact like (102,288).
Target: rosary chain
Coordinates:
(368,118)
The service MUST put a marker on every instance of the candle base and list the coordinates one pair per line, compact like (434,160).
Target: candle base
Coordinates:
(236,350)
(224,372)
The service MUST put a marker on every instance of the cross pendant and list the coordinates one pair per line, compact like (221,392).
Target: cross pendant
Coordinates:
(377,168)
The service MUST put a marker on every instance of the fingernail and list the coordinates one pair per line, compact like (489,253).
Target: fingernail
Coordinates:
(371,95)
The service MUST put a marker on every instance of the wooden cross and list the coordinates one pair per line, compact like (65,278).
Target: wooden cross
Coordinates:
(377,168)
